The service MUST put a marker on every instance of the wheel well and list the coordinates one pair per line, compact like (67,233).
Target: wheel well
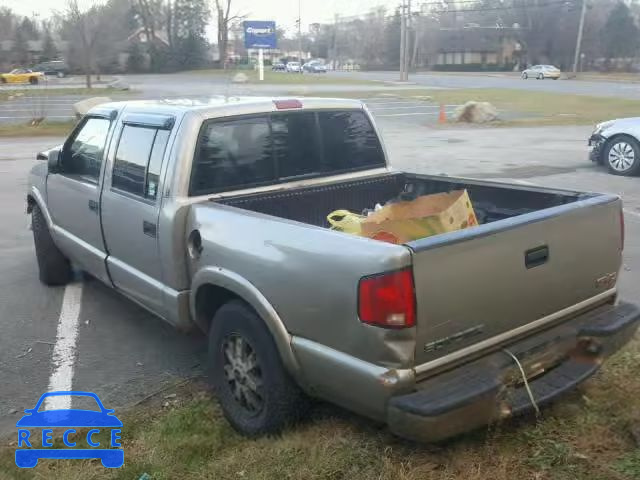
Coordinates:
(209,298)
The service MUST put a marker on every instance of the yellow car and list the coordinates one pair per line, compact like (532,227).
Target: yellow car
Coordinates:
(21,75)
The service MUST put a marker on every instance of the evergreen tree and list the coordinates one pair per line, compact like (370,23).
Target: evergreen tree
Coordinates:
(620,33)
(49,49)
(189,23)
(20,54)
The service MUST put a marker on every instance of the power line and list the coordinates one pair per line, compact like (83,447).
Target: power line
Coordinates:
(469,10)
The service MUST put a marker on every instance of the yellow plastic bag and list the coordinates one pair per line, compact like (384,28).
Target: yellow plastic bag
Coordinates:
(345,221)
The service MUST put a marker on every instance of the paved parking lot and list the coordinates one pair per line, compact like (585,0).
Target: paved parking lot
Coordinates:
(123,354)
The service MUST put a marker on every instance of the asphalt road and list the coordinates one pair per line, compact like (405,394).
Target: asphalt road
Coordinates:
(509,81)
(36,102)
(123,353)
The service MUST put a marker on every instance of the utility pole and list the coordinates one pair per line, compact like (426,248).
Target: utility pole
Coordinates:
(407,40)
(299,37)
(403,41)
(576,58)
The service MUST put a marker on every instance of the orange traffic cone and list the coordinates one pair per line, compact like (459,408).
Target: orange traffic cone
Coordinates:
(442,118)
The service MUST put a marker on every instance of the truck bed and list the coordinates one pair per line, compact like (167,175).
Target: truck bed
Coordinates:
(491,201)
(536,252)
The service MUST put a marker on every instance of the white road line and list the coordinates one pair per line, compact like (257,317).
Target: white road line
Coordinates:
(391,103)
(31,117)
(64,351)
(435,107)
(405,114)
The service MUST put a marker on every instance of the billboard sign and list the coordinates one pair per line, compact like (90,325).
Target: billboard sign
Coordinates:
(259,34)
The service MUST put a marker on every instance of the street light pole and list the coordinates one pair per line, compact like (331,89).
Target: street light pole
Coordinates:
(579,39)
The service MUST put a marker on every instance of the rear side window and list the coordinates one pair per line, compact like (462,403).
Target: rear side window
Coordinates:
(280,146)
(136,169)
(232,154)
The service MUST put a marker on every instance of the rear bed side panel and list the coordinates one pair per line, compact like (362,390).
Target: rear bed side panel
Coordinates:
(475,284)
(309,275)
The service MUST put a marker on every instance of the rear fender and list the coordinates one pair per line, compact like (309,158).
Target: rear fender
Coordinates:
(244,289)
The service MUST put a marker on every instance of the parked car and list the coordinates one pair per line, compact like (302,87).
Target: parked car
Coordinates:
(293,67)
(214,215)
(21,75)
(57,68)
(540,72)
(314,67)
(616,144)
(279,67)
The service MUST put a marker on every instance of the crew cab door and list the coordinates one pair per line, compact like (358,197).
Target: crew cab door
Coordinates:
(130,207)
(73,195)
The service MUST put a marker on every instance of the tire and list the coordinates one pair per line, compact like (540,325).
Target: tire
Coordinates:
(60,74)
(3,80)
(540,77)
(525,76)
(55,268)
(621,155)
(257,395)
(33,80)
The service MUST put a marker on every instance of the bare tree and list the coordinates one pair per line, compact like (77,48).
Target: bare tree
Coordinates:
(224,21)
(86,29)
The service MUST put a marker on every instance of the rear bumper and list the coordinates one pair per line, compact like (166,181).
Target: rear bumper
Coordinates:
(490,388)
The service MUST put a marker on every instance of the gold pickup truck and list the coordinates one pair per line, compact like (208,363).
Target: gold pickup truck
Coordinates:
(212,214)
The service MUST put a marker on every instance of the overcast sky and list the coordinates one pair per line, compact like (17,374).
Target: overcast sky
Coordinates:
(284,12)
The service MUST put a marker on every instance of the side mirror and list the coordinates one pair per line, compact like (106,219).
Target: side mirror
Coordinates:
(52,157)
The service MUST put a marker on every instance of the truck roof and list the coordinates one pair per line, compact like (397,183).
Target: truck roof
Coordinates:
(216,106)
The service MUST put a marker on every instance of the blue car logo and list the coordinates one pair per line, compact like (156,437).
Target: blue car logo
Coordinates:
(69,419)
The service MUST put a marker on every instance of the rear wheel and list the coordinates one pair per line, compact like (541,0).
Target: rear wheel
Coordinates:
(525,76)
(33,80)
(540,76)
(3,80)
(54,267)
(255,392)
(622,156)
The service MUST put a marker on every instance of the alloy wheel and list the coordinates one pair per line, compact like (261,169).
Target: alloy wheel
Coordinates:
(243,374)
(621,156)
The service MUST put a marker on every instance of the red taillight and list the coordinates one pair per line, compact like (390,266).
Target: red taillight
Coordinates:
(621,229)
(388,300)
(286,104)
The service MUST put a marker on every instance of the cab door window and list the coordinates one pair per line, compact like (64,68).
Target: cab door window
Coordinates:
(83,153)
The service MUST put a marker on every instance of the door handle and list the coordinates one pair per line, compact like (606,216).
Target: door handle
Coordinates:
(94,206)
(536,256)
(149,229)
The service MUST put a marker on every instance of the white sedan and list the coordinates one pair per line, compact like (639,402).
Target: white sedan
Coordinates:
(540,72)
(616,144)
(293,67)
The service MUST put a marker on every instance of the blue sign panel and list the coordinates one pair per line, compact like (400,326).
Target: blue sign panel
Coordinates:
(259,34)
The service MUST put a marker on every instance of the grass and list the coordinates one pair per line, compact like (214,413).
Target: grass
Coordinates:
(54,129)
(529,108)
(587,436)
(285,78)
